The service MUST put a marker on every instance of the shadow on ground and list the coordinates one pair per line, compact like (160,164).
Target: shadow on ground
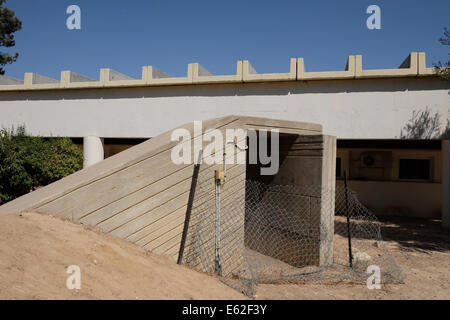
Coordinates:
(411,234)
(415,234)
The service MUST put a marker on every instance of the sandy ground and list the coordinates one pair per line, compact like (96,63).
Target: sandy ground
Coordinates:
(420,247)
(35,251)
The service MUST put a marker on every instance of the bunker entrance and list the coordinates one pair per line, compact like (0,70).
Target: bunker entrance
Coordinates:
(282,227)
(286,212)
(285,215)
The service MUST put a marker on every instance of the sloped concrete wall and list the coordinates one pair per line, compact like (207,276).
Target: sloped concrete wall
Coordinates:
(140,195)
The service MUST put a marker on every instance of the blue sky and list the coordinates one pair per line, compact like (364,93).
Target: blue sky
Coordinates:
(125,35)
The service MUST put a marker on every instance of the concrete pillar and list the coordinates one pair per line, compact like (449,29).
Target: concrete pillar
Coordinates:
(93,150)
(327,201)
(446,183)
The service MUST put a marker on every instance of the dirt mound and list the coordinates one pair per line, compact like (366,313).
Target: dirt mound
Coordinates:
(36,250)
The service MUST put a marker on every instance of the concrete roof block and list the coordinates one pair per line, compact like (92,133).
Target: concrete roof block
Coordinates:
(155,73)
(10,84)
(112,78)
(4,80)
(71,79)
(157,77)
(349,72)
(116,76)
(75,77)
(250,74)
(409,68)
(34,81)
(201,71)
(201,75)
(39,79)
(422,66)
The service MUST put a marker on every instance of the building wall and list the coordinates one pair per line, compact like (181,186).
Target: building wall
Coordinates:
(351,162)
(365,108)
(410,199)
(391,195)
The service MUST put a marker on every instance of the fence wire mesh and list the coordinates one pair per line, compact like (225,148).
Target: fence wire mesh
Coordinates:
(285,234)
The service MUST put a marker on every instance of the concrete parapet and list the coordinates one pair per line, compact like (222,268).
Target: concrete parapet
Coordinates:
(413,66)
(112,78)
(9,83)
(349,72)
(37,81)
(4,80)
(157,77)
(250,74)
(409,68)
(422,66)
(201,75)
(71,79)
(34,78)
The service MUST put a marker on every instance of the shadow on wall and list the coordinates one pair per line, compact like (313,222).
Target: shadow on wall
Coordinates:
(424,125)
(247,89)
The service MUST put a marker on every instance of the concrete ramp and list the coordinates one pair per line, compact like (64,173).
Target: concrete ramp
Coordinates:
(140,195)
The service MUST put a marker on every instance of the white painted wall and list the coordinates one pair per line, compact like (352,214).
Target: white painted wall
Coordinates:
(372,108)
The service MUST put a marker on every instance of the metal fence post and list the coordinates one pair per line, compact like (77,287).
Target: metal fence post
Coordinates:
(219,178)
(350,255)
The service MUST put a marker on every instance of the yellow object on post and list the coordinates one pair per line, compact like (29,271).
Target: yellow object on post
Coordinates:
(220,176)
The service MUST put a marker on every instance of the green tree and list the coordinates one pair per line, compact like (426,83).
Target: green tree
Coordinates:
(443,69)
(9,24)
(27,162)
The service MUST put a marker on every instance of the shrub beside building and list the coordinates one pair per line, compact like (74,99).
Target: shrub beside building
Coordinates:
(29,162)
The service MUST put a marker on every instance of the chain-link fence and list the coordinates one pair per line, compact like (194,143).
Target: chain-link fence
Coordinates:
(266,233)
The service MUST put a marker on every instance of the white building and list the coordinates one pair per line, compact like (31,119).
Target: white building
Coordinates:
(392,177)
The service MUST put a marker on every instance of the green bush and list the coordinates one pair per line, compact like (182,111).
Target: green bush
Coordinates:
(28,162)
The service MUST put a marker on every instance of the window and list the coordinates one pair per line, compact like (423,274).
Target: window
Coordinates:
(338,167)
(415,169)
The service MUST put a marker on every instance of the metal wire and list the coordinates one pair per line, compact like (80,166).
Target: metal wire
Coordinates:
(286,234)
